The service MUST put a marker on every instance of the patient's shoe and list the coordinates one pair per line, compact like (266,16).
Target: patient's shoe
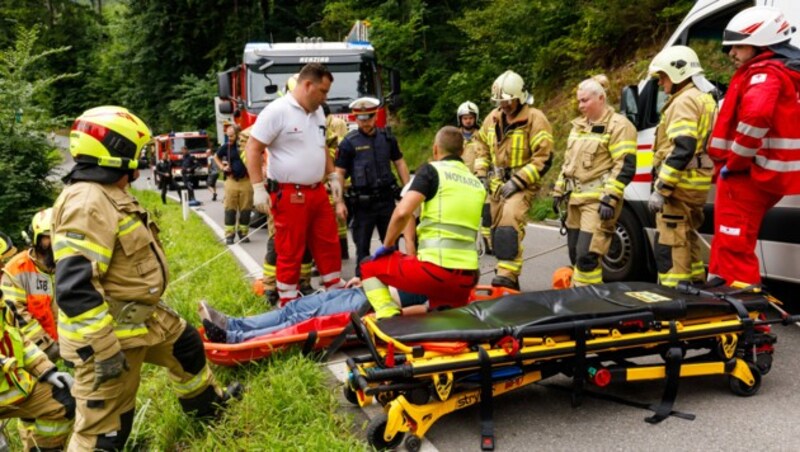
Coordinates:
(272,297)
(307,289)
(212,315)
(215,333)
(504,281)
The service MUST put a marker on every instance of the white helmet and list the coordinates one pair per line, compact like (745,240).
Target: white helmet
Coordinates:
(509,86)
(758,26)
(467,108)
(677,62)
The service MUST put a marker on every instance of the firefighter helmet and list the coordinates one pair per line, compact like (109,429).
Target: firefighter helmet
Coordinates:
(40,225)
(108,136)
(291,83)
(676,62)
(467,108)
(509,86)
(758,26)
(7,248)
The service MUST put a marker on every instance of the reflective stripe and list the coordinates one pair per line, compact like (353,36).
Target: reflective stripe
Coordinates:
(126,330)
(517,147)
(128,225)
(510,266)
(587,195)
(193,384)
(379,298)
(32,329)
(781,143)
(669,174)
(698,270)
(269,270)
(589,136)
(591,277)
(744,151)
(46,428)
(455,229)
(13,293)
(672,279)
(481,163)
(539,137)
(284,286)
(719,143)
(531,172)
(288,294)
(32,352)
(329,277)
(682,128)
(88,322)
(623,147)
(13,395)
(751,131)
(64,246)
(450,244)
(780,166)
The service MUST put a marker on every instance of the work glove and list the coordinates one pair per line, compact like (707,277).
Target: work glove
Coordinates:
(383,251)
(606,211)
(484,182)
(656,202)
(53,352)
(260,198)
(508,189)
(556,203)
(58,379)
(109,369)
(335,184)
(724,172)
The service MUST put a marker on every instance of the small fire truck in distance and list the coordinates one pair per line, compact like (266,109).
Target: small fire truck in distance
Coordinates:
(245,90)
(171,144)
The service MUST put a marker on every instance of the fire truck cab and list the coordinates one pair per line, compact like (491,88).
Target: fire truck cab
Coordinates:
(172,143)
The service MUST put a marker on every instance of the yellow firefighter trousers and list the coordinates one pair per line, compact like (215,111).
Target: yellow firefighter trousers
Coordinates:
(589,238)
(678,251)
(509,217)
(42,419)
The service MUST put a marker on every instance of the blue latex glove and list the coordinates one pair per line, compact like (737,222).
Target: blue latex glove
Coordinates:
(724,172)
(383,251)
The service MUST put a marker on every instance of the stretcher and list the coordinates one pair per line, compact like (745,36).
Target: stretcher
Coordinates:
(422,368)
(314,334)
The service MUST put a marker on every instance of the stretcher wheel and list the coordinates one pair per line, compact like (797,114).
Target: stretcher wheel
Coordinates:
(350,395)
(413,443)
(375,430)
(764,362)
(739,387)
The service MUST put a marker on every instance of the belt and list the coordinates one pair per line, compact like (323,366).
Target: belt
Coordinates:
(574,185)
(290,185)
(130,311)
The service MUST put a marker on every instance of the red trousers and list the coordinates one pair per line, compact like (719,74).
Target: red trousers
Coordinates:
(443,287)
(303,217)
(739,207)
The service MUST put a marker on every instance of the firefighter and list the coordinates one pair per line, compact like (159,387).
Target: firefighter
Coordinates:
(32,388)
(599,163)
(682,169)
(467,117)
(756,140)
(28,285)
(335,131)
(238,191)
(367,155)
(515,153)
(110,275)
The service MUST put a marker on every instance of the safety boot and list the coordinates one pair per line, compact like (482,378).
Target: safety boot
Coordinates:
(345,248)
(229,239)
(487,247)
(214,333)
(306,288)
(271,296)
(505,281)
(243,237)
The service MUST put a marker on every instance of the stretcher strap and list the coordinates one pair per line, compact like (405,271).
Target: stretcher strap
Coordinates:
(311,341)
(673,359)
(339,340)
(579,370)
(486,405)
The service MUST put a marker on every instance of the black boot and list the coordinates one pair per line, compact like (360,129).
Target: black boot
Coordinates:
(504,281)
(271,296)
(306,288)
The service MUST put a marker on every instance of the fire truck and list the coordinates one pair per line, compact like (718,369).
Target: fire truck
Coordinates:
(171,144)
(245,89)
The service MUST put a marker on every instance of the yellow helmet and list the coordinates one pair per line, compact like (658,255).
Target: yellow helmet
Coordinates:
(40,225)
(7,248)
(509,86)
(108,136)
(291,83)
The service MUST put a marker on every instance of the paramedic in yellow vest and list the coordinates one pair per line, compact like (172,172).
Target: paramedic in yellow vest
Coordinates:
(599,163)
(111,272)
(467,116)
(238,200)
(335,131)
(516,152)
(681,168)
(28,285)
(445,268)
(32,389)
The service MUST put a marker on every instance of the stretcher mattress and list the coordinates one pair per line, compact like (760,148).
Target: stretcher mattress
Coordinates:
(508,316)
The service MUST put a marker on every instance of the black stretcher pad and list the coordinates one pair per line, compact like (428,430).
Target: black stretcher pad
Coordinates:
(494,319)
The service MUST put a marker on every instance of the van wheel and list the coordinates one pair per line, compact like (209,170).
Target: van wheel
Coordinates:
(625,259)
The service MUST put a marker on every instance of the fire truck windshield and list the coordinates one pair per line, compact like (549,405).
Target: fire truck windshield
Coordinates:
(195,144)
(350,81)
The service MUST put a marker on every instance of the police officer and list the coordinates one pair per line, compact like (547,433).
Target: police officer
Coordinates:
(188,167)
(467,116)
(366,156)
(28,285)
(110,275)
(599,163)
(238,191)
(682,169)
(515,154)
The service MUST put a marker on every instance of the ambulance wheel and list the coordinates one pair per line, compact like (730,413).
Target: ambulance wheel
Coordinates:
(375,431)
(350,395)
(413,443)
(740,388)
(627,250)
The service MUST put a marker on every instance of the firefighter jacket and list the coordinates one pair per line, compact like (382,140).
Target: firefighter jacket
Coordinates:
(17,381)
(450,220)
(757,128)
(679,157)
(472,147)
(518,148)
(371,168)
(335,131)
(600,159)
(110,269)
(29,287)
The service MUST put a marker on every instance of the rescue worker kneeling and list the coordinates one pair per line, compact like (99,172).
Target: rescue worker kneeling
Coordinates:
(446,266)
(31,388)
(110,275)
(599,163)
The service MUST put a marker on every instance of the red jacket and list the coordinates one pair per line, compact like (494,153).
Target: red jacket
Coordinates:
(757,128)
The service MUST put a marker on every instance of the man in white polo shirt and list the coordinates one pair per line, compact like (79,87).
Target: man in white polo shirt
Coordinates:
(293,127)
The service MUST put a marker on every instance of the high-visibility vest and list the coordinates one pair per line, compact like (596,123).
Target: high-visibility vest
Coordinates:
(17,384)
(33,287)
(450,220)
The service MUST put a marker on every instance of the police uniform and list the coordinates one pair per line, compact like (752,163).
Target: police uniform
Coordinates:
(599,163)
(514,149)
(367,159)
(683,176)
